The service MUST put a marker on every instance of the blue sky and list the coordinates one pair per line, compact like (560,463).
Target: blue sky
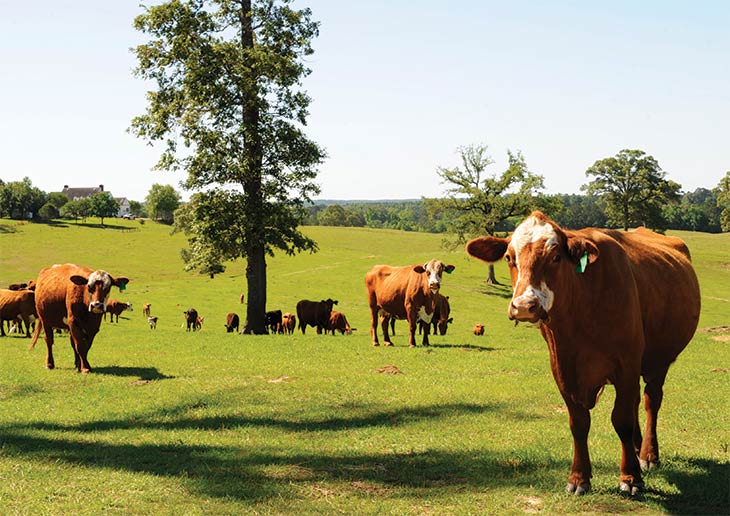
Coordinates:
(397,87)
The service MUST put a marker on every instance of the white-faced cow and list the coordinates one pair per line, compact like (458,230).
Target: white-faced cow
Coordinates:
(612,306)
(74,298)
(403,293)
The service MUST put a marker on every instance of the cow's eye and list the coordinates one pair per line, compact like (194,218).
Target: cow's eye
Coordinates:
(507,258)
(556,258)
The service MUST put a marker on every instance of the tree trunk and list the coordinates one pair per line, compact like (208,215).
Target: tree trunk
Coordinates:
(492,279)
(256,308)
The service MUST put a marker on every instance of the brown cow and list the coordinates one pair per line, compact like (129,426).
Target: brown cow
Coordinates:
(115,308)
(16,306)
(612,306)
(289,322)
(478,329)
(440,320)
(72,297)
(403,293)
(315,313)
(338,321)
(232,322)
(146,309)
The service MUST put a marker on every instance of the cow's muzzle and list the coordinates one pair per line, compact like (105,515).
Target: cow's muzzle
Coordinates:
(96,307)
(526,309)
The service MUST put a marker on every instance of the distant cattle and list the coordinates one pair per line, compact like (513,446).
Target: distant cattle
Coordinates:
(613,307)
(72,297)
(314,313)
(146,308)
(403,293)
(241,298)
(232,322)
(152,321)
(17,286)
(478,329)
(289,322)
(338,322)
(199,322)
(17,306)
(114,308)
(274,321)
(191,319)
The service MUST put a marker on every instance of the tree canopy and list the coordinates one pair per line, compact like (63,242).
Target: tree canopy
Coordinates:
(20,199)
(161,202)
(230,109)
(723,201)
(632,188)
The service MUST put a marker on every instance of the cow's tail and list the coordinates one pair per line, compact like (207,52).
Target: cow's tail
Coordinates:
(36,333)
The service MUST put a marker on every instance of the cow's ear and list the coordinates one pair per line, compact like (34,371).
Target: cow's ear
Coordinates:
(582,251)
(79,280)
(487,248)
(120,282)
(449,269)
(450,320)
(420,269)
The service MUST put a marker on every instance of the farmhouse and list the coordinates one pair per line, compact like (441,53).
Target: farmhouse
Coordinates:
(74,194)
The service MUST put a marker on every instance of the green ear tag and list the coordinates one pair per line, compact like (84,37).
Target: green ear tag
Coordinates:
(122,286)
(583,263)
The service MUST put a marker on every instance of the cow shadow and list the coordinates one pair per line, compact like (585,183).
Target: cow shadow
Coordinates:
(470,347)
(143,373)
(499,290)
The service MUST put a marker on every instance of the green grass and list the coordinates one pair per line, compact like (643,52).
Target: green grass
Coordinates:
(174,422)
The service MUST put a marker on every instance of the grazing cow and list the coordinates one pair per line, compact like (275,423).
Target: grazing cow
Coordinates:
(152,321)
(289,322)
(199,322)
(338,321)
(440,319)
(232,322)
(274,321)
(146,309)
(115,308)
(478,329)
(403,293)
(191,319)
(315,313)
(17,306)
(612,306)
(74,298)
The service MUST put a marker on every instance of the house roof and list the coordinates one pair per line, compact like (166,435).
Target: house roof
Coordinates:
(74,194)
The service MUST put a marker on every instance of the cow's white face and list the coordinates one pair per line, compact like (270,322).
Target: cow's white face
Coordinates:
(533,243)
(434,269)
(99,285)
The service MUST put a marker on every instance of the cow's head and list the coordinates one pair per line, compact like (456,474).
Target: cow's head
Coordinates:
(99,284)
(542,260)
(329,303)
(434,268)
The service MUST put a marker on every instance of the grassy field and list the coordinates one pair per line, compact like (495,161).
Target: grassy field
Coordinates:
(175,422)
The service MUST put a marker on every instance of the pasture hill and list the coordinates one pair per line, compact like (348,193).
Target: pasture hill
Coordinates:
(214,422)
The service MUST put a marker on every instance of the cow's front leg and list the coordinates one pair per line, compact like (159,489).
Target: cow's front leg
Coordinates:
(625,419)
(412,323)
(579,480)
(374,324)
(426,331)
(80,343)
(384,320)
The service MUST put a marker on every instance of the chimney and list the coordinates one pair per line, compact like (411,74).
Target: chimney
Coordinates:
(101,188)
(65,187)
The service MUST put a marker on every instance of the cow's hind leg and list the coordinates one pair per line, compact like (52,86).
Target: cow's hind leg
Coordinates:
(384,322)
(653,395)
(625,419)
(48,337)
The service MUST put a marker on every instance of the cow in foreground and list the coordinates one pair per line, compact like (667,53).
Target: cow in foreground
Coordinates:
(232,322)
(403,293)
(17,306)
(115,308)
(315,313)
(74,298)
(612,306)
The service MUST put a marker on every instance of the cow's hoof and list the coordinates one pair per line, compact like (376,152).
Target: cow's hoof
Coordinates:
(50,366)
(578,490)
(376,344)
(631,490)
(646,465)
(85,371)
(388,343)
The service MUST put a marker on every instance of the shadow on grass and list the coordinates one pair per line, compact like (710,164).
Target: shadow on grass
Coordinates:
(143,373)
(7,228)
(693,480)
(470,347)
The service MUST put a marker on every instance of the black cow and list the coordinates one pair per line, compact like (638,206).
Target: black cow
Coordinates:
(315,313)
(274,322)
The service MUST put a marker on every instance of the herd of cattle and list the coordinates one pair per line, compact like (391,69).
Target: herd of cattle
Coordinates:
(612,306)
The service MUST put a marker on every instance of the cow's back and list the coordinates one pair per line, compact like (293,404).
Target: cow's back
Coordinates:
(55,294)
(390,286)
(668,290)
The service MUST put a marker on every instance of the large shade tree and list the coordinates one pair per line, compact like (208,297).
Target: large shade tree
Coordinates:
(481,200)
(230,109)
(632,188)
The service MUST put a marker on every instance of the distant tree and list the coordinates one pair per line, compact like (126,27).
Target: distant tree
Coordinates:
(574,211)
(137,209)
(161,202)
(480,201)
(20,199)
(632,188)
(58,199)
(333,215)
(78,209)
(229,78)
(723,201)
(103,205)
(48,211)
(697,211)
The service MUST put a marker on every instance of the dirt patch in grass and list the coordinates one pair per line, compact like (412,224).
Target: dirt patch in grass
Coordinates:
(716,329)
(721,338)
(389,369)
(720,370)
(280,379)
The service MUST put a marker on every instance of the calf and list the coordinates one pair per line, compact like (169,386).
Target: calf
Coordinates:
(338,321)
(289,322)
(478,329)
(74,298)
(16,306)
(152,321)
(191,319)
(274,321)
(232,322)
(403,293)
(115,308)
(314,313)
(613,307)
(146,309)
